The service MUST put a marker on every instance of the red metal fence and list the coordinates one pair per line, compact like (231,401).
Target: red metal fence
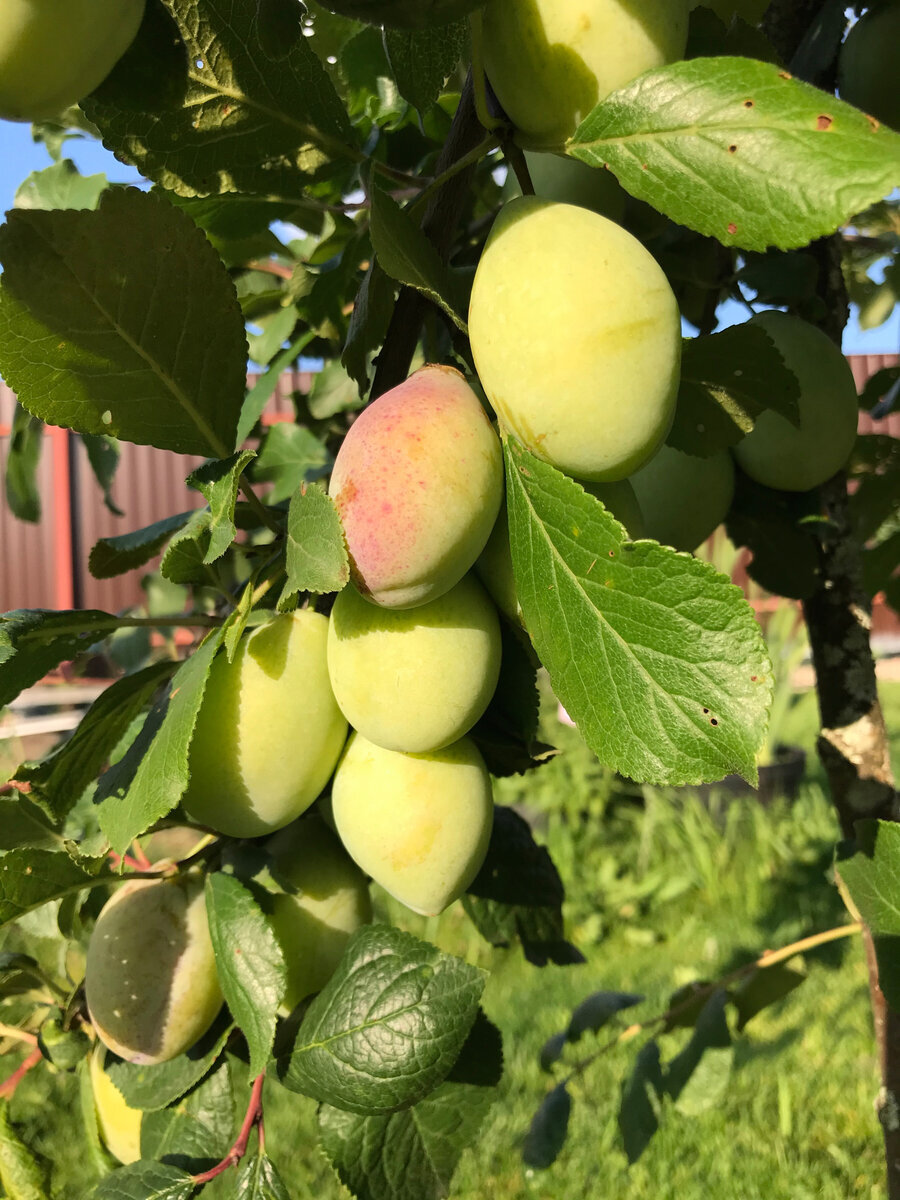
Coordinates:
(45,565)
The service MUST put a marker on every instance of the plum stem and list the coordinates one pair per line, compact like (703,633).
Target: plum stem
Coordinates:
(252,1117)
(9,1086)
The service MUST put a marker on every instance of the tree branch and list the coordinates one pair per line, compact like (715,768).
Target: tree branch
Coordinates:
(252,1117)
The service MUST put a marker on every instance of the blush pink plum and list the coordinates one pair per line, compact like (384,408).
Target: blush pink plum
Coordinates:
(418,483)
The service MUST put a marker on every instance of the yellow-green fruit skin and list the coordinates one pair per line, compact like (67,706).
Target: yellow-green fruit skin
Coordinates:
(869,64)
(551,61)
(684,498)
(119,1124)
(415,679)
(576,336)
(326,898)
(777,453)
(570,181)
(268,732)
(55,52)
(418,482)
(150,978)
(419,824)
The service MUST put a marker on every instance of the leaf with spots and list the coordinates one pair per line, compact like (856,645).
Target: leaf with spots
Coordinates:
(739,150)
(656,657)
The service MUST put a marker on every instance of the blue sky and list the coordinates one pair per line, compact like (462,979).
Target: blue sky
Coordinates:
(19,156)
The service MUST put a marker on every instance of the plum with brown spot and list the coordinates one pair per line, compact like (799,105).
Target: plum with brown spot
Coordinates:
(418,483)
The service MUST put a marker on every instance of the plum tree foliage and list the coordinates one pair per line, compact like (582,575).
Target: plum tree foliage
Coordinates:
(522,421)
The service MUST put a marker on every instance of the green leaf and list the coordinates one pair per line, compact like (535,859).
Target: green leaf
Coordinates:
(60,186)
(698,1077)
(727,380)
(870,869)
(408,256)
(103,455)
(775,527)
(195,1133)
(29,878)
(23,825)
(262,391)
(137,321)
(34,640)
(145,1181)
(422,60)
(249,962)
(656,657)
(219,482)
(598,1010)
(641,1102)
(154,1087)
(738,150)
(150,779)
(208,72)
(184,560)
(316,551)
(549,1127)
(406,14)
(290,455)
(763,988)
(58,781)
(20,1176)
(518,894)
(387,1027)
(258,1179)
(111,556)
(372,312)
(23,458)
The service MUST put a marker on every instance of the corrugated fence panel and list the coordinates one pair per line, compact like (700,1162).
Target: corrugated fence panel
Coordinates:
(27,568)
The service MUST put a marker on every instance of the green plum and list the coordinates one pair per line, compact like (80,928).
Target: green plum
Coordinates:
(55,52)
(119,1124)
(326,898)
(868,64)
(684,498)
(576,335)
(551,61)
(419,824)
(777,453)
(418,482)
(150,979)
(268,732)
(415,679)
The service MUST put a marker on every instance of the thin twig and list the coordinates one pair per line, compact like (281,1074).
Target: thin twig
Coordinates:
(20,1035)
(253,1117)
(8,1088)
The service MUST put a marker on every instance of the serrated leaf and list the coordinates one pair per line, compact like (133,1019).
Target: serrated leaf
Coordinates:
(249,962)
(422,60)
(290,455)
(698,1077)
(264,388)
(153,1087)
(316,550)
(60,186)
(387,1027)
(408,256)
(184,557)
(598,1010)
(549,1128)
(738,150)
(23,457)
(196,1132)
(372,312)
(150,779)
(111,556)
(258,1179)
(103,455)
(35,640)
(219,482)
(641,1100)
(206,72)
(20,1175)
(145,1180)
(763,988)
(774,526)
(518,893)
(870,870)
(137,320)
(727,380)
(656,657)
(30,878)
(24,826)
(58,781)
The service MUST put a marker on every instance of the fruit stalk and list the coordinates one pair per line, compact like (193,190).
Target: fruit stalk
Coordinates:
(252,1117)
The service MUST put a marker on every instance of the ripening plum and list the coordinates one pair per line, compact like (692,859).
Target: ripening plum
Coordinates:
(571,181)
(777,453)
(415,679)
(268,732)
(150,978)
(418,482)
(868,64)
(419,824)
(684,498)
(326,898)
(53,53)
(576,335)
(494,565)
(551,61)
(118,1123)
